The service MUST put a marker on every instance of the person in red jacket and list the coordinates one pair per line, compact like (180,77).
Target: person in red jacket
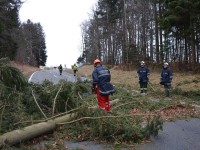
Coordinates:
(101,85)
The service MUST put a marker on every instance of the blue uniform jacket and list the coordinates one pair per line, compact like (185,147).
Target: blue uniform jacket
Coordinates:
(143,74)
(101,77)
(166,75)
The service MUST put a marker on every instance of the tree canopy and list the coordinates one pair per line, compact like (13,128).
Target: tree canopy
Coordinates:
(22,42)
(128,31)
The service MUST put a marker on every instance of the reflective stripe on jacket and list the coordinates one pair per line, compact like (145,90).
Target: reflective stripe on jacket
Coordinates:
(101,77)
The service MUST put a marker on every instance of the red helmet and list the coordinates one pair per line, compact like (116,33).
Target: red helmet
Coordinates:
(97,61)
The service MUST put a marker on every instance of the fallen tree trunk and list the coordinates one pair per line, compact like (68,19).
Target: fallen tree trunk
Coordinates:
(35,130)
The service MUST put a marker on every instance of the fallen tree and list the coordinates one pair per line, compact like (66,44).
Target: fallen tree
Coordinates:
(35,130)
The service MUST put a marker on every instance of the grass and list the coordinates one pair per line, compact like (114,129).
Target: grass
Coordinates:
(185,88)
(186,82)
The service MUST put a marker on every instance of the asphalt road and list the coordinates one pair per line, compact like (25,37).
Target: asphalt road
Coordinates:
(53,76)
(178,135)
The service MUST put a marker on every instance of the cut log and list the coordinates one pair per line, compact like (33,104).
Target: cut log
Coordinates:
(35,130)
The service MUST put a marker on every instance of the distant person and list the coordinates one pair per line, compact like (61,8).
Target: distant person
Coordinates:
(166,79)
(101,85)
(143,73)
(60,68)
(75,69)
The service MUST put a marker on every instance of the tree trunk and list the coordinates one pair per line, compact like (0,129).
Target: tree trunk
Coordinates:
(157,34)
(32,131)
(35,130)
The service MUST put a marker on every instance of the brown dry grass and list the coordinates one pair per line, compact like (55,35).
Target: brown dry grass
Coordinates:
(129,78)
(25,69)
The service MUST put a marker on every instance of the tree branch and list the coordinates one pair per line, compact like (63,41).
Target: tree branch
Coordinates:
(101,117)
(54,102)
(38,105)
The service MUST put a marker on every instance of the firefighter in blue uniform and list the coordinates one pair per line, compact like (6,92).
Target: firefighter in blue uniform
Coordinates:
(101,85)
(166,79)
(143,73)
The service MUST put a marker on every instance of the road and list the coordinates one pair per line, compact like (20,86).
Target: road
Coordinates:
(178,135)
(53,76)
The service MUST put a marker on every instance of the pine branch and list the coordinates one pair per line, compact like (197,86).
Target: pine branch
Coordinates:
(38,105)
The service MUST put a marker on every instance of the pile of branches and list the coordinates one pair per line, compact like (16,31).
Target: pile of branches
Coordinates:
(23,104)
(21,101)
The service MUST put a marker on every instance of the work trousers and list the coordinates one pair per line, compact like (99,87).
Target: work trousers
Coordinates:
(143,87)
(60,72)
(168,89)
(75,72)
(103,100)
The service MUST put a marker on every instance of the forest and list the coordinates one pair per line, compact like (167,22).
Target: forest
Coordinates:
(119,32)
(21,42)
(124,32)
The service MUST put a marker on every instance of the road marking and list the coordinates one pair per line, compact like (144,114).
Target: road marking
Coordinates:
(29,80)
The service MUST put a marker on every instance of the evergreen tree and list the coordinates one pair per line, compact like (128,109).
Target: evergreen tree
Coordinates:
(31,42)
(9,21)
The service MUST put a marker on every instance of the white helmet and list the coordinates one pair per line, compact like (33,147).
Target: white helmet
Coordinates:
(142,62)
(166,64)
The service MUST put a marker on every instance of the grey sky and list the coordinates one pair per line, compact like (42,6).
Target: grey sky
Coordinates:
(61,20)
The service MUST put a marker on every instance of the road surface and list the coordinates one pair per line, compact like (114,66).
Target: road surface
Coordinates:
(178,135)
(53,76)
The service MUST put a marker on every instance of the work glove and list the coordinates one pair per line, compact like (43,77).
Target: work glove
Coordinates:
(93,88)
(162,83)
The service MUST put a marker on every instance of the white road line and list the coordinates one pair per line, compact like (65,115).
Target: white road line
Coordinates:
(29,80)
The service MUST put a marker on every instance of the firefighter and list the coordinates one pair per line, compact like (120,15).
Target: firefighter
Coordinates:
(166,79)
(101,85)
(60,68)
(75,69)
(143,73)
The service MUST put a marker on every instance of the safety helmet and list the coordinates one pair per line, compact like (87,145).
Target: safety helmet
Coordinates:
(97,61)
(142,62)
(166,64)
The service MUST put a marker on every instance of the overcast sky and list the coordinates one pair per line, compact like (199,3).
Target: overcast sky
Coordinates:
(61,20)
